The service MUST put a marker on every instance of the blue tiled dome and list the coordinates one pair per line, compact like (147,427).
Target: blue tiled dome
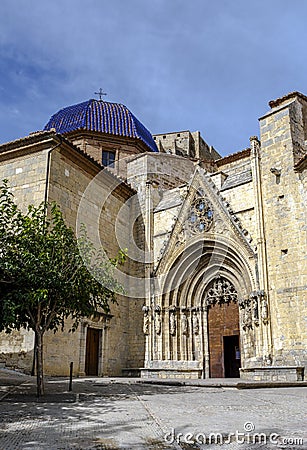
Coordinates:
(104,117)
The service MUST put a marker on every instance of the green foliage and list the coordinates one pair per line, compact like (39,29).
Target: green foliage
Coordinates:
(43,278)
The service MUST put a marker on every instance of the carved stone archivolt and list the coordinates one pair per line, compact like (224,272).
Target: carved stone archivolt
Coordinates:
(222,291)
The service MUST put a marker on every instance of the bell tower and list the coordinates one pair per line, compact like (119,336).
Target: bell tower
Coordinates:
(283,134)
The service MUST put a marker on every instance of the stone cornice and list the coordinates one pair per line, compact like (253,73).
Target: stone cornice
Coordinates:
(39,140)
(233,157)
(46,140)
(280,100)
(136,143)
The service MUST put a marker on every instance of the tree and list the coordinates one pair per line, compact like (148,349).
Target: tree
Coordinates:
(43,278)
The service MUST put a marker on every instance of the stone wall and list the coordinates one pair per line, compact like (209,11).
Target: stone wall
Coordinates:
(187,144)
(180,143)
(25,170)
(168,171)
(265,188)
(235,183)
(123,148)
(26,174)
(109,215)
(70,173)
(273,373)
(17,350)
(284,203)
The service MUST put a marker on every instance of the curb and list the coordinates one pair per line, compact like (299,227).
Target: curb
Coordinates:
(239,385)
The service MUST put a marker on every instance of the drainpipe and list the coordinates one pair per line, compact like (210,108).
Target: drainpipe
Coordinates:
(48,168)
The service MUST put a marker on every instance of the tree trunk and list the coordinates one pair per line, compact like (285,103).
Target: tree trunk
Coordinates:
(34,358)
(39,363)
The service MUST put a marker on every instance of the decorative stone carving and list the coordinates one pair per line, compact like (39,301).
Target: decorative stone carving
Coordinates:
(221,226)
(265,312)
(184,324)
(195,323)
(255,307)
(158,319)
(298,151)
(255,310)
(181,237)
(172,323)
(246,307)
(97,317)
(222,291)
(250,307)
(258,299)
(145,310)
(200,216)
(267,360)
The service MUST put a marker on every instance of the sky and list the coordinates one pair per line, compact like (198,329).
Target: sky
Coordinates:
(198,65)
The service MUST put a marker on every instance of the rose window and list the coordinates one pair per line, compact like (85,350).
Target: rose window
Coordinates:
(201,215)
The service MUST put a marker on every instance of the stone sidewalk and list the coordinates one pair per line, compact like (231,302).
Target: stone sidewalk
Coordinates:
(119,413)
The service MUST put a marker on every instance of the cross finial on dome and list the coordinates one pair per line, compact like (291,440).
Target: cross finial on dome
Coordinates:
(100,93)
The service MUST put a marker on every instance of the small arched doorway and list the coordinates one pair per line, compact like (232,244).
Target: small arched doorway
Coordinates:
(223,329)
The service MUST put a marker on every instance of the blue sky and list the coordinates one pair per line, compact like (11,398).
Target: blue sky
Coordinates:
(200,65)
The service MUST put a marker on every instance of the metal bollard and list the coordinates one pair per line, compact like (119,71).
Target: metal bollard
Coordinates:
(70,376)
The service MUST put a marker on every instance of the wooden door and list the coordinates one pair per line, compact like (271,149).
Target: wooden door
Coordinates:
(92,351)
(223,321)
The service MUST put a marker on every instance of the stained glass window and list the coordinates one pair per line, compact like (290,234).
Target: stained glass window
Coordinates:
(200,216)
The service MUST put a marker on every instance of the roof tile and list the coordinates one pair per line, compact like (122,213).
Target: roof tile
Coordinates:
(100,116)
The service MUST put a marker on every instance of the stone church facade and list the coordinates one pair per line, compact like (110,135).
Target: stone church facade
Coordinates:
(216,276)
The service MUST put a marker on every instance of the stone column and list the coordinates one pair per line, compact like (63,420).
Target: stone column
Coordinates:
(205,331)
(150,336)
(82,348)
(261,244)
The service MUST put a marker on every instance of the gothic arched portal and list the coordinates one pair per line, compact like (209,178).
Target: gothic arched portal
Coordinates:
(201,310)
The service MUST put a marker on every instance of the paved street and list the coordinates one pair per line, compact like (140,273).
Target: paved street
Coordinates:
(102,413)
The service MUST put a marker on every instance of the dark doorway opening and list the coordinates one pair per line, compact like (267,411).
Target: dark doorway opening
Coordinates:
(223,321)
(92,351)
(232,358)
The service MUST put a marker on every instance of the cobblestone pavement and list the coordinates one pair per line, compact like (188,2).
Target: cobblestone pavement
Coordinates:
(112,414)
